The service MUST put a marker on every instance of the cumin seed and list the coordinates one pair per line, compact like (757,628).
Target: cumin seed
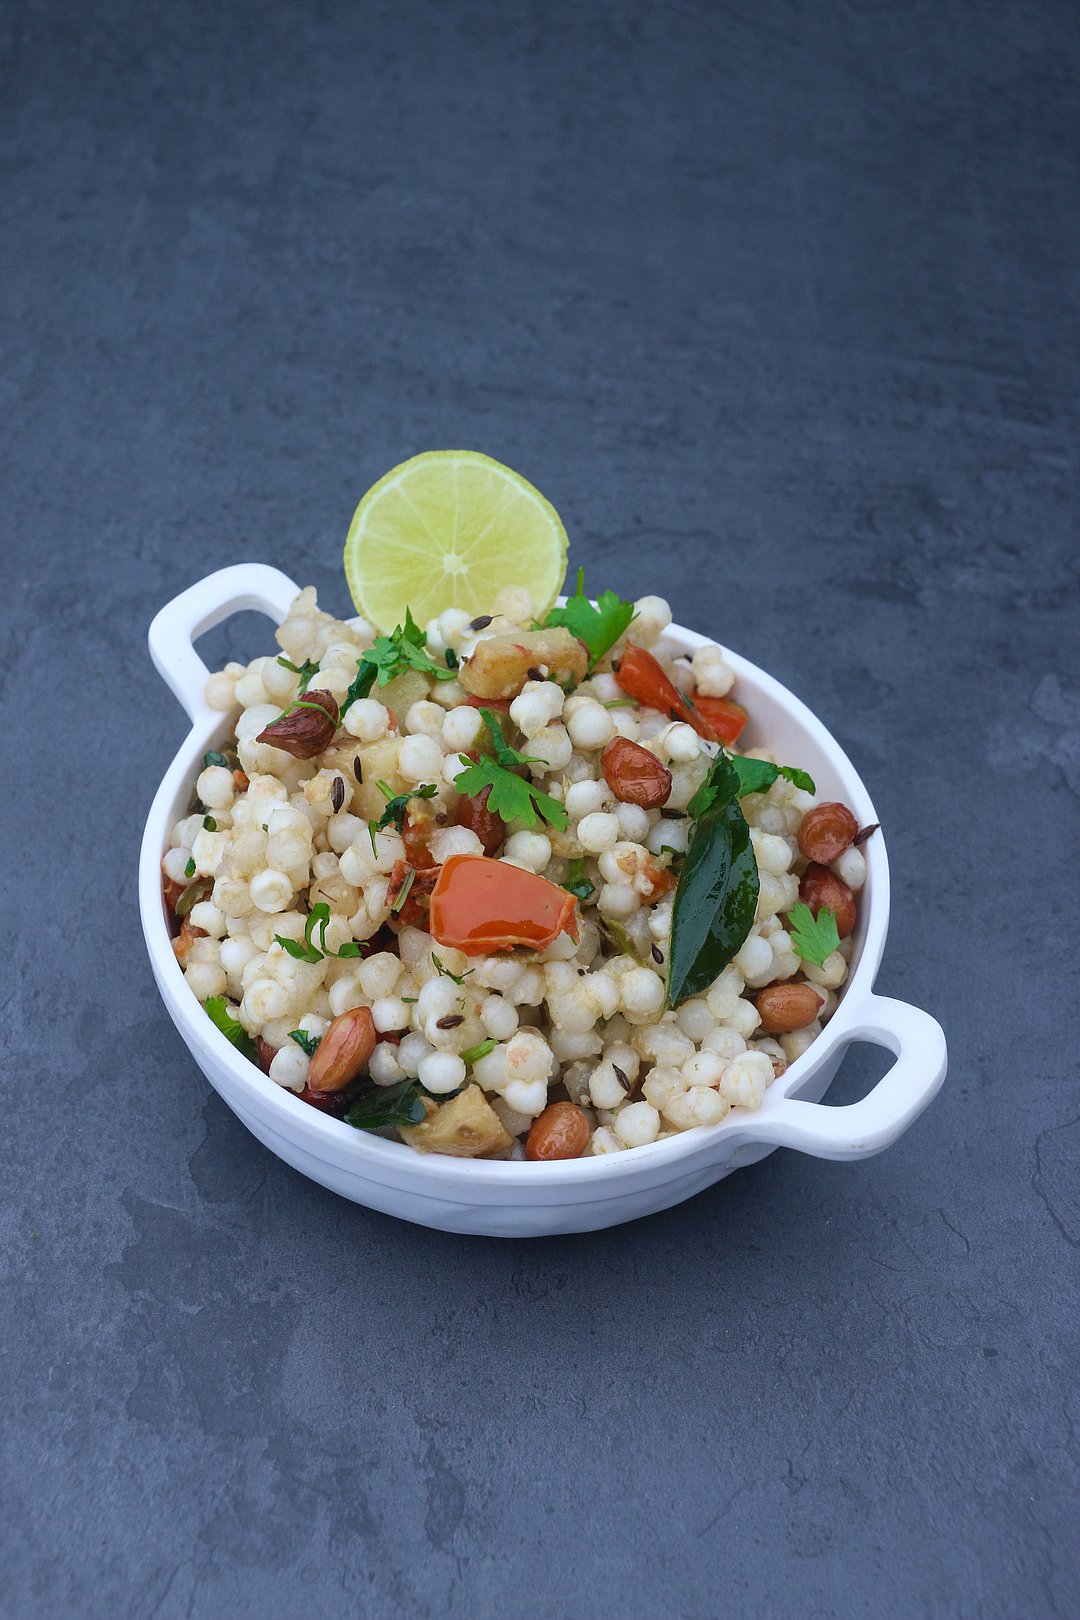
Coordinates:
(337,794)
(451,1021)
(481,623)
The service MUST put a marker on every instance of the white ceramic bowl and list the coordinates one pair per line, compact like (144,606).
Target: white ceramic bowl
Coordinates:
(580,1195)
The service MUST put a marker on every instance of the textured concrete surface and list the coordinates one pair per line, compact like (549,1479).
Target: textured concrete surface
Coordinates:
(778,304)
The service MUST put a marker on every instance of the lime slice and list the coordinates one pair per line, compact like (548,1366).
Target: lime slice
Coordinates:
(447,529)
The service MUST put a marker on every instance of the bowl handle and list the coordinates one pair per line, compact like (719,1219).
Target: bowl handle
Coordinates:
(857,1130)
(200,608)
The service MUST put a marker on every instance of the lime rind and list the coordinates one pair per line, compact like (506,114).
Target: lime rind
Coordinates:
(449,528)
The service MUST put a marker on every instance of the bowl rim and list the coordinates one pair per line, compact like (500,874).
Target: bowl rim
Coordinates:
(402,1164)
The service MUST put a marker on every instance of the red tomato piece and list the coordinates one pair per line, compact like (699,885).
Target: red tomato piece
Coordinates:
(415,835)
(413,911)
(725,718)
(479,905)
(642,677)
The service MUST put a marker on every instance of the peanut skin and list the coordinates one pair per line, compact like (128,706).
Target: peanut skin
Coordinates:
(819,887)
(343,1052)
(560,1132)
(826,831)
(784,1007)
(634,775)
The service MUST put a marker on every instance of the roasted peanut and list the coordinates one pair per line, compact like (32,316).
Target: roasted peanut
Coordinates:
(634,775)
(819,887)
(560,1132)
(784,1007)
(343,1052)
(265,1053)
(184,940)
(826,831)
(171,892)
(306,729)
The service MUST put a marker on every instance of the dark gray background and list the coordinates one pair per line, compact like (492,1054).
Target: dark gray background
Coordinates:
(778,304)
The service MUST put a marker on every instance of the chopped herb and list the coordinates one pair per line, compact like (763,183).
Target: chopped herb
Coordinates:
(599,626)
(217,1009)
(410,1000)
(577,883)
(307,1043)
(209,824)
(458,978)
(227,758)
(812,938)
(398,804)
(403,893)
(616,936)
(376,1107)
(473,1054)
(201,889)
(621,703)
(318,917)
(363,681)
(758,775)
(452,659)
(305,671)
(189,869)
(514,798)
(392,655)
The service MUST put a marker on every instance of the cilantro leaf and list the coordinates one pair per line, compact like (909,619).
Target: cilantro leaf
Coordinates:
(305,671)
(514,798)
(752,776)
(189,869)
(599,626)
(511,797)
(505,755)
(758,775)
(307,1043)
(812,938)
(217,1010)
(318,917)
(405,649)
(396,808)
